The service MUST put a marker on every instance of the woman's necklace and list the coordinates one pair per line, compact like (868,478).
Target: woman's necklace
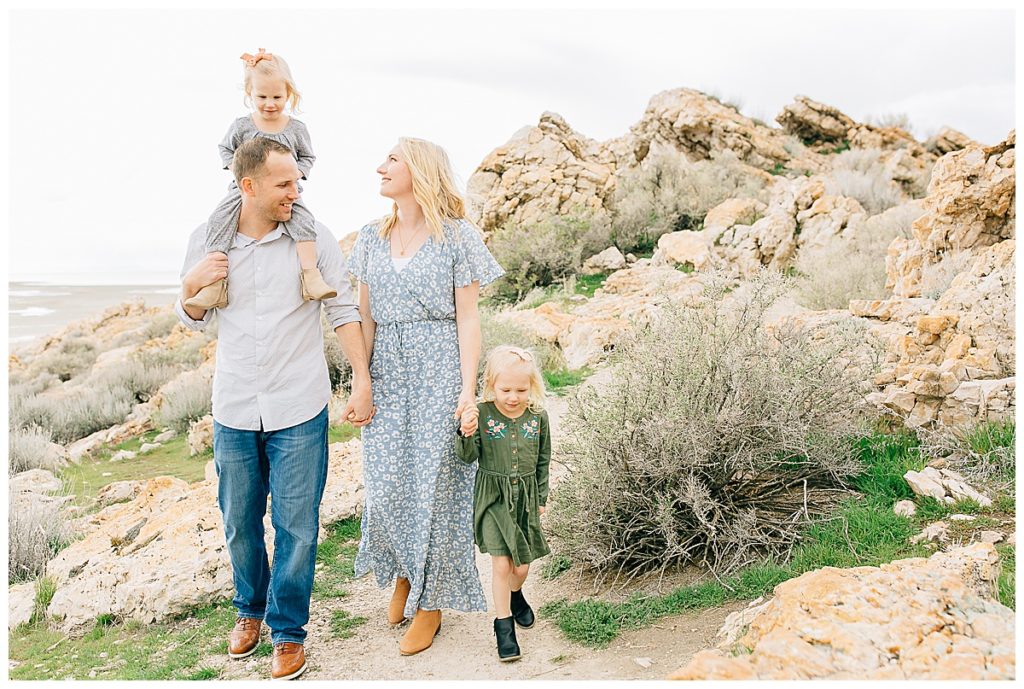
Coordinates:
(402,246)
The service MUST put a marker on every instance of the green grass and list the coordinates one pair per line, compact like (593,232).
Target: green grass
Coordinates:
(342,433)
(555,566)
(1006,583)
(123,651)
(343,624)
(588,284)
(335,558)
(86,478)
(778,169)
(556,381)
(685,268)
(45,588)
(863,532)
(171,650)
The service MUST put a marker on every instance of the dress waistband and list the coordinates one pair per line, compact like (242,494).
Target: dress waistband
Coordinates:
(504,475)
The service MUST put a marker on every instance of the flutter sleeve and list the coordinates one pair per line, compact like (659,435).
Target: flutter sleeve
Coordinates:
(229,143)
(359,258)
(543,459)
(473,261)
(303,150)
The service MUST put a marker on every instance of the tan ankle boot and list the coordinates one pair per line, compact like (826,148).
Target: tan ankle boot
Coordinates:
(213,296)
(398,598)
(313,285)
(422,631)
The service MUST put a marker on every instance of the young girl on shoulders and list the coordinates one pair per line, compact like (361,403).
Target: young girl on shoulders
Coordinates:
(269,90)
(509,435)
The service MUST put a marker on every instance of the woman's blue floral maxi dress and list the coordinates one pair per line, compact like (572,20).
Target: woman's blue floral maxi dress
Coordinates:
(418,518)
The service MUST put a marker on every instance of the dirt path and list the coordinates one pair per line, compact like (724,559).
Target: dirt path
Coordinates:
(465,650)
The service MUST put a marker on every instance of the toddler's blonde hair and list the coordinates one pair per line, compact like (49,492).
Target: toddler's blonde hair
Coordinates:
(274,66)
(505,356)
(433,187)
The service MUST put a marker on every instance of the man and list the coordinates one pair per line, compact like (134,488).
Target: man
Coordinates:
(270,394)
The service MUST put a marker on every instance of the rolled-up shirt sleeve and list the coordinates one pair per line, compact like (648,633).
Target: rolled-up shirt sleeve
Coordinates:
(196,251)
(343,308)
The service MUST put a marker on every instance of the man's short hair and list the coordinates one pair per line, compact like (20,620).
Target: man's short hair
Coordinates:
(251,156)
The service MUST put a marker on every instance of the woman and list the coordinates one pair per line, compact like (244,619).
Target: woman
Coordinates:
(420,271)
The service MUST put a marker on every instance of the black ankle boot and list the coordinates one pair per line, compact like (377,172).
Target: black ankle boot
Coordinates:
(508,647)
(521,610)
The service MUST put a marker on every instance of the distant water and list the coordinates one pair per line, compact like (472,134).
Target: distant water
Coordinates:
(36,309)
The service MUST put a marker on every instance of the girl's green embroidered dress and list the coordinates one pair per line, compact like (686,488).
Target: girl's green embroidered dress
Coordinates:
(511,482)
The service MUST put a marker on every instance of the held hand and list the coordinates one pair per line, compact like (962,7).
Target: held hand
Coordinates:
(360,410)
(467,400)
(541,508)
(212,267)
(469,421)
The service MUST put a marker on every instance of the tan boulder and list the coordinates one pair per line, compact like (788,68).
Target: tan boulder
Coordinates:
(685,248)
(917,618)
(609,260)
(200,435)
(164,552)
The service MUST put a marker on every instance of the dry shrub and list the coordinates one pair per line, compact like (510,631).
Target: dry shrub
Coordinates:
(73,355)
(851,266)
(936,278)
(496,332)
(716,442)
(29,448)
(860,174)
(186,399)
(984,452)
(72,417)
(667,193)
(339,370)
(36,532)
(544,253)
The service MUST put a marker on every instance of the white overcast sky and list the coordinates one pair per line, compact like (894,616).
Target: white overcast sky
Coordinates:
(115,115)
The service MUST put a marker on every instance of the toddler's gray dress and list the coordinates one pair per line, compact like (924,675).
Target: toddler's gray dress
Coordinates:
(223,223)
(418,518)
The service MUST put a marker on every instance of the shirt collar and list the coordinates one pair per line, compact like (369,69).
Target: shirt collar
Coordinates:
(242,240)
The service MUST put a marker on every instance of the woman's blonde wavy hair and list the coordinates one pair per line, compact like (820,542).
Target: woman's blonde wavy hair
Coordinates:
(433,187)
(273,67)
(505,356)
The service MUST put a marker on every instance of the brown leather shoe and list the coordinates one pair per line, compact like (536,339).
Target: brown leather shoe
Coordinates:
(422,631)
(245,637)
(398,598)
(289,661)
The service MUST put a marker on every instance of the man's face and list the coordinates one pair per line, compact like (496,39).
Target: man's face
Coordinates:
(277,188)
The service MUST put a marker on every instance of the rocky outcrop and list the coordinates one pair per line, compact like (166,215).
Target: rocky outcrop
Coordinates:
(944,485)
(934,618)
(969,206)
(163,551)
(811,121)
(550,169)
(541,172)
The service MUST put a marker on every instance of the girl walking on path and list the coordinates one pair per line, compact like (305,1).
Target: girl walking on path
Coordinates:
(269,87)
(420,271)
(509,435)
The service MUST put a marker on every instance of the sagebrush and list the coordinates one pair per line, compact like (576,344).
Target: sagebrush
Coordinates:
(668,193)
(717,440)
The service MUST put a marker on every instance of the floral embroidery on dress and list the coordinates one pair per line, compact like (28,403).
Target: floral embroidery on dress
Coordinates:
(495,429)
(531,428)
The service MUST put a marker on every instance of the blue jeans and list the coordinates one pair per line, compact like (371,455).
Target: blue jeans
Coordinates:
(290,465)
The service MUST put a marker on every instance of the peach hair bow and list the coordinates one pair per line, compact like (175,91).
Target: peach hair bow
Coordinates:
(253,60)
